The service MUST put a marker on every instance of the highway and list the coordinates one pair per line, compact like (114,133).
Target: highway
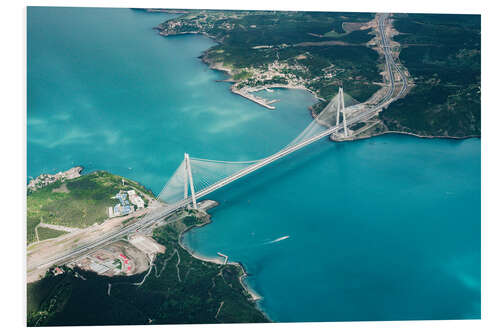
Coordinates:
(389,60)
(162,213)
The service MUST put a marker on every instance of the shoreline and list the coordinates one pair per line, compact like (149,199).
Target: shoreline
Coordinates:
(286,86)
(429,137)
(449,137)
(255,297)
(245,92)
(261,101)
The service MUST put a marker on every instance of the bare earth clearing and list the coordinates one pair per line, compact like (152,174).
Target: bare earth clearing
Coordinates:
(43,251)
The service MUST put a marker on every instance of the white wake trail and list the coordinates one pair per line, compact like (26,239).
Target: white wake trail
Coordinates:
(278,239)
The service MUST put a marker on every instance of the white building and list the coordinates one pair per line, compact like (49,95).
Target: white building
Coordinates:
(135,199)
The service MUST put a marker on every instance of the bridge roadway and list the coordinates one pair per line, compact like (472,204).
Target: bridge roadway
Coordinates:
(390,63)
(162,213)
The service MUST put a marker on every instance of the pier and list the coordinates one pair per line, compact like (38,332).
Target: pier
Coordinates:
(223,256)
(261,101)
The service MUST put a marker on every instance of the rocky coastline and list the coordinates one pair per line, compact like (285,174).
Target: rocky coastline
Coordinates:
(218,260)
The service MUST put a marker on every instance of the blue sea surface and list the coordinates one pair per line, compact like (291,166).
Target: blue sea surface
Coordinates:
(107,92)
(380,229)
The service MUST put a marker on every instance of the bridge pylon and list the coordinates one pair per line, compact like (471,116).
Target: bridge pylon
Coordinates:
(188,178)
(341,108)
(339,96)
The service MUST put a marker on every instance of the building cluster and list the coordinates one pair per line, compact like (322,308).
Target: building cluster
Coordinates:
(126,206)
(108,261)
(46,179)
(57,271)
(122,257)
(135,199)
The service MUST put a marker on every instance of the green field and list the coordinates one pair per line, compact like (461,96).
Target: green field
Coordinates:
(47,233)
(181,289)
(77,203)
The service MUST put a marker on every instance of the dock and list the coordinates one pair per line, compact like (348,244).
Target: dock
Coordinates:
(255,99)
(223,256)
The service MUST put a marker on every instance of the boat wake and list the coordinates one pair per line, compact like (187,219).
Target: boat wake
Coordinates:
(278,239)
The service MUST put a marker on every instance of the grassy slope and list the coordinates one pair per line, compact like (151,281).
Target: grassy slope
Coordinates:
(162,299)
(443,55)
(84,204)
(46,233)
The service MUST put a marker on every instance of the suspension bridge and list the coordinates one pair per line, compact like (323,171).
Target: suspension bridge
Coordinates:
(206,176)
(196,177)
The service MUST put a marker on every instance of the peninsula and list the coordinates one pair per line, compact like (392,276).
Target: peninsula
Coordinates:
(321,51)
(149,277)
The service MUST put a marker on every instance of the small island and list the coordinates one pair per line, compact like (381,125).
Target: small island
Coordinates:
(148,277)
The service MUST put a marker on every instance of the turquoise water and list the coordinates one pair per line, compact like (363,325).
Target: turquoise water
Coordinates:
(107,92)
(380,229)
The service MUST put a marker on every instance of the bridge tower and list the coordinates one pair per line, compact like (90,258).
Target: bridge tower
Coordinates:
(339,96)
(188,178)
(341,108)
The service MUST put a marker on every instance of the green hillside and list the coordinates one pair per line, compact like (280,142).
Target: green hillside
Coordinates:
(77,203)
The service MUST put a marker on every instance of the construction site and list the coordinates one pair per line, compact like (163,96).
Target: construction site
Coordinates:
(122,257)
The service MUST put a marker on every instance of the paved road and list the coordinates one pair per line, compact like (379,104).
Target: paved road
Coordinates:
(168,210)
(389,60)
